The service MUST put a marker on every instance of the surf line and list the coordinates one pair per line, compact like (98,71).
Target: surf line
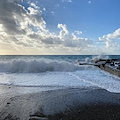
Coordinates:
(85,81)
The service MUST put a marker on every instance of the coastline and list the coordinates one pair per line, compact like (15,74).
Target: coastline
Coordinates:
(51,103)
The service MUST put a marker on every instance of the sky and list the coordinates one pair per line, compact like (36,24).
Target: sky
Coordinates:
(59,27)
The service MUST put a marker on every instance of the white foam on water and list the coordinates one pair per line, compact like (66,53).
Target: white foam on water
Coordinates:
(61,73)
(36,66)
(89,77)
(99,78)
(42,79)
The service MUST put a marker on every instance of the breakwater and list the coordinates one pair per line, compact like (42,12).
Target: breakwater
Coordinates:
(110,65)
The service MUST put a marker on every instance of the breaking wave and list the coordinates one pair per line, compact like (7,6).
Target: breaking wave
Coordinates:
(100,57)
(36,66)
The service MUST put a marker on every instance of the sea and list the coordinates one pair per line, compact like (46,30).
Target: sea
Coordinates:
(56,71)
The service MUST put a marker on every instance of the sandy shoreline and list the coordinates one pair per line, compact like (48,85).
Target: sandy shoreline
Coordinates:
(17,104)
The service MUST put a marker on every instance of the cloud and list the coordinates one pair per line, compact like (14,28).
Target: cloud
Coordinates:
(25,29)
(64,39)
(67,1)
(78,32)
(44,9)
(15,19)
(52,12)
(111,41)
(64,30)
(71,40)
(33,5)
(8,12)
(89,2)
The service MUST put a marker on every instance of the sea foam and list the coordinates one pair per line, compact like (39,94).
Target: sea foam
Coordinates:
(37,66)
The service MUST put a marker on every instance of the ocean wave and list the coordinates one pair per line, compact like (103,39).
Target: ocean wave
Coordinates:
(100,57)
(36,66)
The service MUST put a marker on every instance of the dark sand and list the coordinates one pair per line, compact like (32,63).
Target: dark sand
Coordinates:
(58,104)
(91,112)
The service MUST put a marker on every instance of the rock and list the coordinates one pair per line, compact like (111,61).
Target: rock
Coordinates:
(118,67)
(8,103)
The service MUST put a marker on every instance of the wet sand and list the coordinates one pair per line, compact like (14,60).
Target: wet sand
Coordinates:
(57,104)
(91,112)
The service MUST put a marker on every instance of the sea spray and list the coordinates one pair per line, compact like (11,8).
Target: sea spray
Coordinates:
(36,66)
(87,59)
(95,58)
(54,71)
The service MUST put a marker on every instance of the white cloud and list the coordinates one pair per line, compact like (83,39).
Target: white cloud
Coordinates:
(71,40)
(44,9)
(78,32)
(33,5)
(63,31)
(52,12)
(15,19)
(89,2)
(17,29)
(25,29)
(66,0)
(111,41)
(69,0)
(32,10)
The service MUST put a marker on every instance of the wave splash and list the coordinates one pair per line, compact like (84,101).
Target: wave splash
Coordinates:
(100,57)
(36,66)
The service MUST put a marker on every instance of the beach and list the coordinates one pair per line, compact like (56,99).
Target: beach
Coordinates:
(56,88)
(59,60)
(56,104)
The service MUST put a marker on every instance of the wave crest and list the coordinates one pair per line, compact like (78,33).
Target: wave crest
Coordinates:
(36,66)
